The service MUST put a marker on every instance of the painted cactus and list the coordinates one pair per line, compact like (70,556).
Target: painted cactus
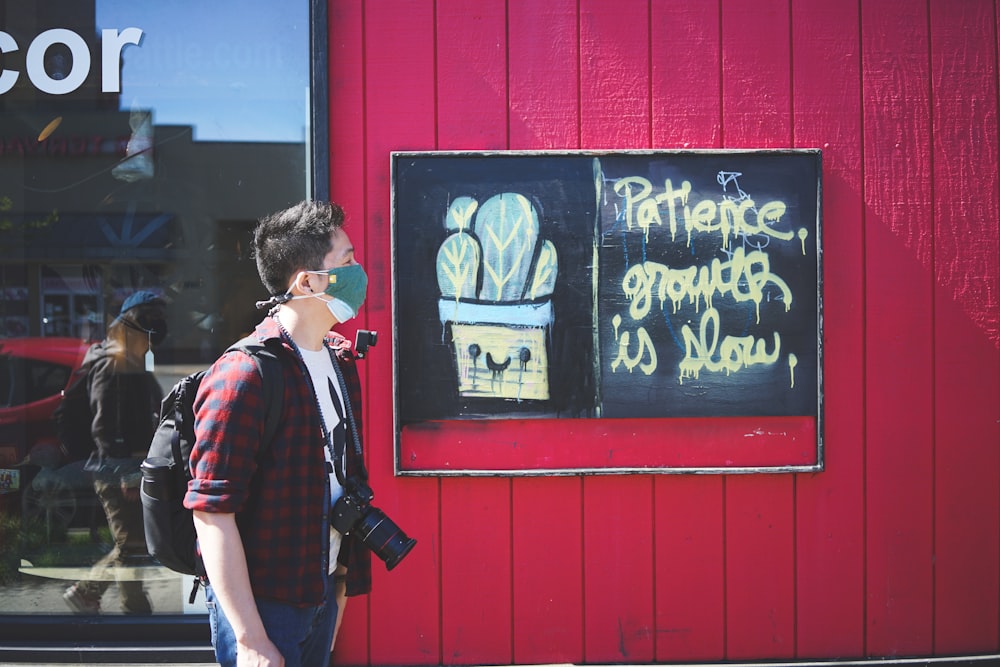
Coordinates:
(501,243)
(496,281)
(458,259)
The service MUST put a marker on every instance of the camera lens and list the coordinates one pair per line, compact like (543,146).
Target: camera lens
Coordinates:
(384,538)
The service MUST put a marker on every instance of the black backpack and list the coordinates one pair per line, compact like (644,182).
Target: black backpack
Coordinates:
(73,417)
(169,526)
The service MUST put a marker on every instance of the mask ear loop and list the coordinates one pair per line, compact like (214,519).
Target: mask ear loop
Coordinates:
(308,291)
(278,299)
(302,282)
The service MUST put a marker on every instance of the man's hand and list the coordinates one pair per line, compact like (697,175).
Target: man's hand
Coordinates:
(340,591)
(261,654)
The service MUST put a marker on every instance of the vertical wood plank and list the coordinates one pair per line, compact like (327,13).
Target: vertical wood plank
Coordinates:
(476,584)
(400,106)
(617,511)
(966,340)
(756,78)
(543,57)
(829,550)
(760,613)
(547,536)
(476,628)
(471,75)
(347,177)
(898,297)
(618,585)
(615,81)
(689,514)
(760,527)
(548,578)
(690,569)
(686,76)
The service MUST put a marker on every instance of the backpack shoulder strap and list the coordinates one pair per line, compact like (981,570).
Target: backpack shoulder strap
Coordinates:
(272,380)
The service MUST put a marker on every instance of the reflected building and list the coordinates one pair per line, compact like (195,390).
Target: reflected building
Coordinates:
(96,201)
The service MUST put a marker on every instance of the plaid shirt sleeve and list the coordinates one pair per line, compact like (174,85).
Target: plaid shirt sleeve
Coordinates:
(228,431)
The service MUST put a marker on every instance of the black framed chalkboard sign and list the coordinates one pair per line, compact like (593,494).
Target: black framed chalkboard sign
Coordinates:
(602,312)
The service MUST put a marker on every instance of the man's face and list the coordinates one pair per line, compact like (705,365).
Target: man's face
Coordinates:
(341,254)
(341,251)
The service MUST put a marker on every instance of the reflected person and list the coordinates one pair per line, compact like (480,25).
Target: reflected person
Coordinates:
(125,401)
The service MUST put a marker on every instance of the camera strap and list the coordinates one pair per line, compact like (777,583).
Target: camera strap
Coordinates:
(355,437)
(338,435)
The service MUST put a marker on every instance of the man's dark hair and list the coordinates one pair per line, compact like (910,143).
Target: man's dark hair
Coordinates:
(297,238)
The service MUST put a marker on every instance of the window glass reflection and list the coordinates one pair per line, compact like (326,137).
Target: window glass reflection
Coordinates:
(139,143)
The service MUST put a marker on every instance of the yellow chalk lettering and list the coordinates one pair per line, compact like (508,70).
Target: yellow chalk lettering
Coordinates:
(648,215)
(730,217)
(646,349)
(676,284)
(755,268)
(633,189)
(697,351)
(637,287)
(743,277)
(701,217)
(734,352)
(771,212)
(672,198)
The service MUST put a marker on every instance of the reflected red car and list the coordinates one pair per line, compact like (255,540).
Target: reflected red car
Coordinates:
(33,374)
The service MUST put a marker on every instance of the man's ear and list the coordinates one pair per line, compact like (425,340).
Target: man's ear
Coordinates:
(300,283)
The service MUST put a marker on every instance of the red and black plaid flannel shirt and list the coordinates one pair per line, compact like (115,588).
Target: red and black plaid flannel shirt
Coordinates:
(282,505)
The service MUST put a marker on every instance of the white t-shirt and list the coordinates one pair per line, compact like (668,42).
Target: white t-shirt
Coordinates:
(320,368)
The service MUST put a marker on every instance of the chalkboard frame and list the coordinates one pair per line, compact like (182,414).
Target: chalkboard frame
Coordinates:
(502,436)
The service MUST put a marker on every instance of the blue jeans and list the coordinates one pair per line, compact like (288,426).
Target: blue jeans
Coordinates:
(303,635)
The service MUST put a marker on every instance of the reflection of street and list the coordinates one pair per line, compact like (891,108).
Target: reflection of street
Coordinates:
(55,496)
(39,590)
(103,192)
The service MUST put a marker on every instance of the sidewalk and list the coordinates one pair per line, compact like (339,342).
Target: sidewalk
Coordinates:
(955,661)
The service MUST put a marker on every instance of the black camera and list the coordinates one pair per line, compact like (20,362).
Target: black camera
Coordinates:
(363,340)
(353,514)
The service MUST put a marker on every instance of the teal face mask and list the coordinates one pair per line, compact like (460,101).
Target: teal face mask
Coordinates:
(348,285)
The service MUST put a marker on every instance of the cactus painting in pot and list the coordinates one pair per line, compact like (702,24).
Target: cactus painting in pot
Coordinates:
(496,279)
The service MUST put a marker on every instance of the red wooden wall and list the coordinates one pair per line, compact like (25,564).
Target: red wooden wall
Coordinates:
(893,550)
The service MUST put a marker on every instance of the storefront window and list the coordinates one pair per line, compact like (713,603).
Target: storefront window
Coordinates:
(139,144)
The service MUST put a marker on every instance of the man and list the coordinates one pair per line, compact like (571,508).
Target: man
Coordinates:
(261,510)
(124,399)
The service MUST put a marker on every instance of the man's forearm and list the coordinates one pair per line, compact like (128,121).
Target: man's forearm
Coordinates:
(226,567)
